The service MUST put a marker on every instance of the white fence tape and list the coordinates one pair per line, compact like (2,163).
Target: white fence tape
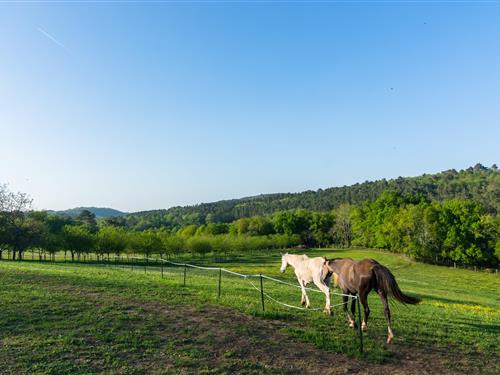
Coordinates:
(248,276)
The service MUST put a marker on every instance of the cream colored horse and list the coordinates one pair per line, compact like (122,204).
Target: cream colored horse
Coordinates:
(309,270)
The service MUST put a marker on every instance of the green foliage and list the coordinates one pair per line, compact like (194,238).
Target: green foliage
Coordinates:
(451,231)
(111,240)
(87,219)
(78,239)
(199,245)
(477,183)
(415,217)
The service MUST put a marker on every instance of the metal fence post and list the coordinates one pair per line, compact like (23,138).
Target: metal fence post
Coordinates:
(262,292)
(359,326)
(220,277)
(185,268)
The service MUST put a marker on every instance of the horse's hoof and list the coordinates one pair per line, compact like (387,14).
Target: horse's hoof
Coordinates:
(353,325)
(389,340)
(327,312)
(302,303)
(364,327)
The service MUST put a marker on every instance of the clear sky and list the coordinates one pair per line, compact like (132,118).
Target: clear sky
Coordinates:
(140,106)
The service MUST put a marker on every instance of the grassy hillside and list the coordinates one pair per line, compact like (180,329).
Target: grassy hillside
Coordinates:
(477,183)
(99,212)
(66,318)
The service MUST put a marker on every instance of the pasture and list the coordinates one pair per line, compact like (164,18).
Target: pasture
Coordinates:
(82,318)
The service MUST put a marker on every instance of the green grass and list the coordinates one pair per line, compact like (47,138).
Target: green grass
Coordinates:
(54,318)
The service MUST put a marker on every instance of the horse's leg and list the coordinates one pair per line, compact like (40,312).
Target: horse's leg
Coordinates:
(305,298)
(387,313)
(363,298)
(350,318)
(305,294)
(353,314)
(302,297)
(325,289)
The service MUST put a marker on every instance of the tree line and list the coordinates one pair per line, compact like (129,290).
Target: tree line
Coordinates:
(479,183)
(454,230)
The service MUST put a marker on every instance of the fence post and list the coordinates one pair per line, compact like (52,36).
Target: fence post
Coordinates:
(145,264)
(220,277)
(161,265)
(185,268)
(262,292)
(359,326)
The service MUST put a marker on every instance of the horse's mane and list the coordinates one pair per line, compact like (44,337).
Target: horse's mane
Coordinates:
(331,260)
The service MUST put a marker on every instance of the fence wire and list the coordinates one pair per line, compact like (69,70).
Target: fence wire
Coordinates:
(217,271)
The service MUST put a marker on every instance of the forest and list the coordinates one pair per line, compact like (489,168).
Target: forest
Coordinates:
(479,183)
(455,229)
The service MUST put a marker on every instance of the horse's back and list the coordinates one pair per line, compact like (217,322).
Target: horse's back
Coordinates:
(317,261)
(310,268)
(366,264)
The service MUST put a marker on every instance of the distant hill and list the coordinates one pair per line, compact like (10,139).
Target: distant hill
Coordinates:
(478,183)
(99,212)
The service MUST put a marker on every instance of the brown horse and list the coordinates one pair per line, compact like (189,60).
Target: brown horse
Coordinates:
(361,278)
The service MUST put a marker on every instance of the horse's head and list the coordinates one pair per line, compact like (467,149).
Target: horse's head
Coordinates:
(284,262)
(329,264)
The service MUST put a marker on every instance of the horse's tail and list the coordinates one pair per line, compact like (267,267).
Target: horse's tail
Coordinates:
(387,282)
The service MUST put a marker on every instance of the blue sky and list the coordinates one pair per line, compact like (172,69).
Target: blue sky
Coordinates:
(142,106)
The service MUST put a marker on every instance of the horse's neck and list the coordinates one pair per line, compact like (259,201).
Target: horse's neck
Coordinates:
(296,260)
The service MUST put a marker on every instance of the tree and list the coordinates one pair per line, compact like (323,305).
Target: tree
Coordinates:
(149,243)
(199,245)
(14,232)
(111,240)
(188,231)
(78,240)
(468,233)
(87,219)
(214,229)
(293,222)
(342,227)
(320,228)
(260,226)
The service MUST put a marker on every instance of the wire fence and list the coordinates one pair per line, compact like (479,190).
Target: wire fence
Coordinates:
(252,279)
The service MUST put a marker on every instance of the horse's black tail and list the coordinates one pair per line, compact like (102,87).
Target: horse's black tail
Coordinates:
(387,282)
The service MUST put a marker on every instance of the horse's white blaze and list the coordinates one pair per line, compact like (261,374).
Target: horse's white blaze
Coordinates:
(308,270)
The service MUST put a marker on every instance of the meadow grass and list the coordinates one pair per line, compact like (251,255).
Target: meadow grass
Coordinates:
(40,328)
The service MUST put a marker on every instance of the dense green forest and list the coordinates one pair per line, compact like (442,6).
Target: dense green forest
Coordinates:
(478,183)
(462,228)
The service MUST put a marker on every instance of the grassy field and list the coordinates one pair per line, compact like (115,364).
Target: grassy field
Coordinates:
(70,318)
